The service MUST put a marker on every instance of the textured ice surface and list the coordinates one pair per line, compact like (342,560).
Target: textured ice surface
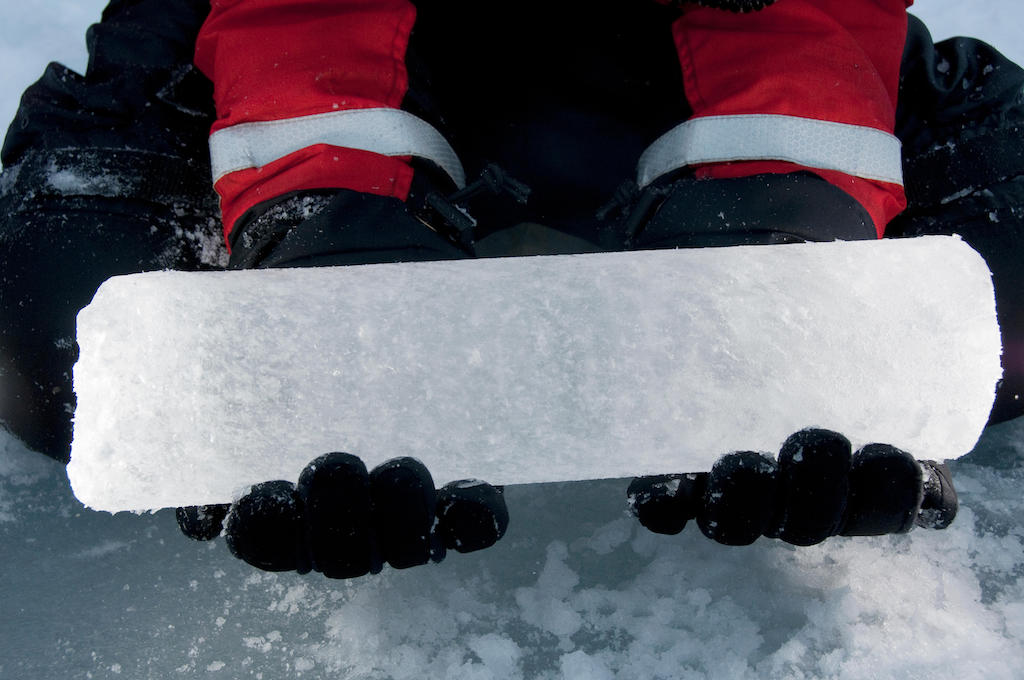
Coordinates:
(575,589)
(522,370)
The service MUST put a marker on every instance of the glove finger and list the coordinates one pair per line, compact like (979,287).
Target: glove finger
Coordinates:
(814,482)
(665,503)
(404,501)
(471,515)
(265,527)
(739,499)
(335,490)
(886,490)
(201,522)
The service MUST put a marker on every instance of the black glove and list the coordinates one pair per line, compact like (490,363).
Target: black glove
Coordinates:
(817,488)
(680,211)
(343,521)
(334,227)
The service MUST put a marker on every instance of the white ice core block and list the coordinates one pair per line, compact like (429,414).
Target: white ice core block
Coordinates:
(192,386)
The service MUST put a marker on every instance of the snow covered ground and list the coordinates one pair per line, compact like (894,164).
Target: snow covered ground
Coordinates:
(575,589)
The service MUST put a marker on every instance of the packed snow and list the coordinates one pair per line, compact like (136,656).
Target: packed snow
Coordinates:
(522,370)
(574,590)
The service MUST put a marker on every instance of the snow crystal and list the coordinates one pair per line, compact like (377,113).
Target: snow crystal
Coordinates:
(9,178)
(498,654)
(68,181)
(579,665)
(956,196)
(101,549)
(545,604)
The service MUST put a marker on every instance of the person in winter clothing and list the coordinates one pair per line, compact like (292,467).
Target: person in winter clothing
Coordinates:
(386,111)
(345,133)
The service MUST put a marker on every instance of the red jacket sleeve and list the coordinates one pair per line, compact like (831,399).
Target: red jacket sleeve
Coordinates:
(826,60)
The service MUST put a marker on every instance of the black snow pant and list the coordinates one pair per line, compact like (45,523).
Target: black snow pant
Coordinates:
(104,174)
(961,121)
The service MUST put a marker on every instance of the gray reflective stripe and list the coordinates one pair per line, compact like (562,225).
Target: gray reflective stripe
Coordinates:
(390,132)
(853,149)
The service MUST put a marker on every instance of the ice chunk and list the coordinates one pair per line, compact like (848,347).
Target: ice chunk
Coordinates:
(193,385)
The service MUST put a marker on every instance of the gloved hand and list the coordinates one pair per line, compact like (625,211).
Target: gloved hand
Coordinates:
(333,227)
(815,489)
(344,522)
(679,210)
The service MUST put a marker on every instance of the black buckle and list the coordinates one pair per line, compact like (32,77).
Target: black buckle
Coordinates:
(450,216)
(635,206)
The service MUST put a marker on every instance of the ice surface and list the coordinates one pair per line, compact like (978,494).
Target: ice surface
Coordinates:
(575,586)
(519,370)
